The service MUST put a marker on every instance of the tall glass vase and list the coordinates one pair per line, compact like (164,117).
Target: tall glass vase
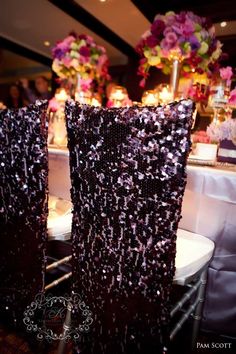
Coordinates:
(81,95)
(74,84)
(174,77)
(218,99)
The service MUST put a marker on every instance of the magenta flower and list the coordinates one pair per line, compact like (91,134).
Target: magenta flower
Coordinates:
(151,41)
(226,74)
(142,83)
(157,27)
(232,97)
(84,51)
(82,36)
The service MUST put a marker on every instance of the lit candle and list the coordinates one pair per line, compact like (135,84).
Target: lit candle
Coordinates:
(95,102)
(83,97)
(150,98)
(118,95)
(165,96)
(61,96)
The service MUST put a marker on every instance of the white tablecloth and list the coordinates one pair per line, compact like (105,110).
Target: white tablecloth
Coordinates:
(59,173)
(209,208)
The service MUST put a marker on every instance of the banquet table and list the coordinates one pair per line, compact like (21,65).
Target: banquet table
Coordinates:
(209,209)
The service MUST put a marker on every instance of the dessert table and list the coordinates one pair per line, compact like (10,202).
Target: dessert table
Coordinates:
(209,209)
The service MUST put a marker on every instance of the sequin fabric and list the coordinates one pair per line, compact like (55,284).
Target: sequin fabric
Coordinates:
(128,179)
(23,207)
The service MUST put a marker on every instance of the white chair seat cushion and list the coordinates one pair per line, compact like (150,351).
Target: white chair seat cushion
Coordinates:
(59,218)
(193,251)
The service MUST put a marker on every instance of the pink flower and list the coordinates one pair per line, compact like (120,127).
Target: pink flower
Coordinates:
(85,84)
(167,30)
(66,61)
(166,46)
(65,44)
(110,104)
(171,38)
(226,74)
(53,105)
(201,137)
(83,60)
(142,83)
(102,61)
(188,27)
(170,19)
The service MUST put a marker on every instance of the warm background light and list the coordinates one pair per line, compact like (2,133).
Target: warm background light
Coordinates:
(223,24)
(46,43)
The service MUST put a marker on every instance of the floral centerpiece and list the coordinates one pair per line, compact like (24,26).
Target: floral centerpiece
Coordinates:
(225,134)
(184,37)
(223,131)
(79,56)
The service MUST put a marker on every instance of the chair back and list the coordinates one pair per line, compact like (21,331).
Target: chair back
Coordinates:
(23,207)
(128,177)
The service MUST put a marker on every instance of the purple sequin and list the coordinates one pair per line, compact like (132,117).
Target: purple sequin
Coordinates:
(23,206)
(128,178)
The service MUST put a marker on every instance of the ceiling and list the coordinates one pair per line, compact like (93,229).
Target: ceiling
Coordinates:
(217,10)
(14,67)
(115,24)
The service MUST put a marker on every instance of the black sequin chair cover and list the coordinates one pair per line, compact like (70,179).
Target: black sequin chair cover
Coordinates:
(23,207)
(128,179)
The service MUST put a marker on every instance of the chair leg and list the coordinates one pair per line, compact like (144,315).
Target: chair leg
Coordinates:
(197,315)
(66,328)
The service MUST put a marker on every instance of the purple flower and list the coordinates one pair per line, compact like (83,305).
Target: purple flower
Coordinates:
(84,51)
(194,42)
(58,53)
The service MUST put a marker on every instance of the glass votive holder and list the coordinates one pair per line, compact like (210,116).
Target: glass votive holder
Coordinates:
(150,98)
(164,94)
(118,96)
